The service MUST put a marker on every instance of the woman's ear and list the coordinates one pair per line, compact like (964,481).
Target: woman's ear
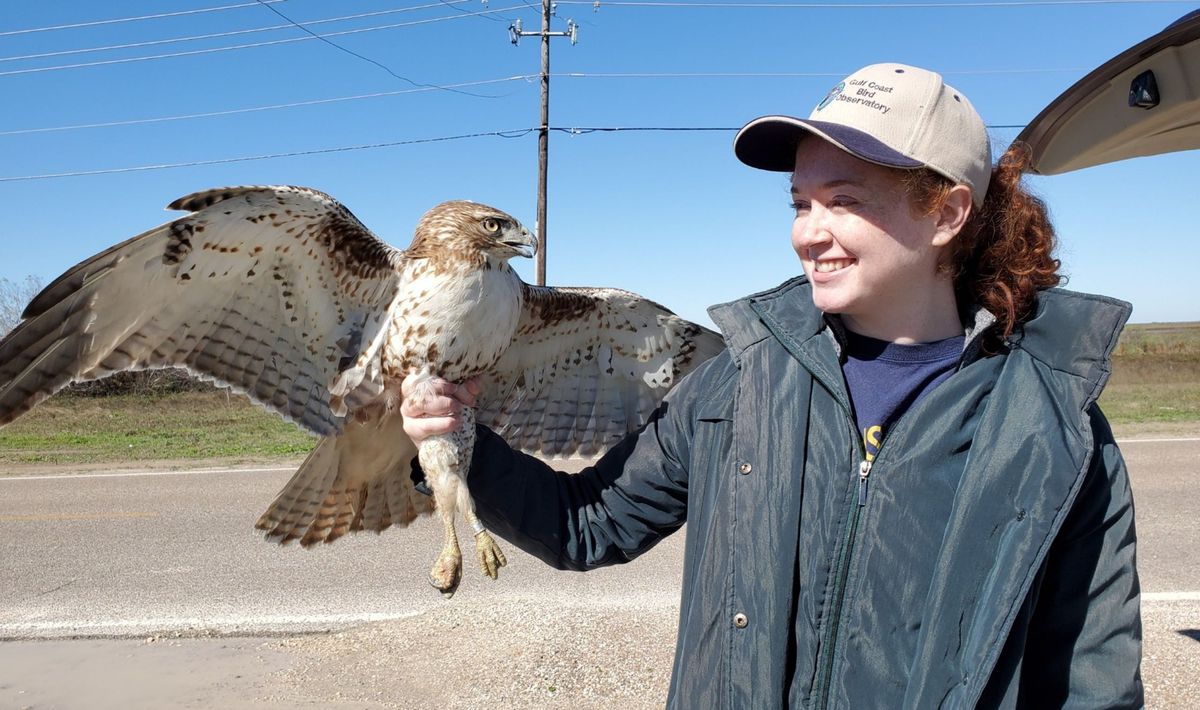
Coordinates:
(953,215)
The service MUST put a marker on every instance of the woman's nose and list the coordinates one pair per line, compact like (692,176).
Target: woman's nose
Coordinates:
(810,227)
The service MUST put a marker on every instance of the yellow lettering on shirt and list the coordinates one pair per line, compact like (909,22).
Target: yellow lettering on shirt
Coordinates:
(872,438)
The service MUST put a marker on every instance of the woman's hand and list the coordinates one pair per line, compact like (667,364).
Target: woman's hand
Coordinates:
(432,406)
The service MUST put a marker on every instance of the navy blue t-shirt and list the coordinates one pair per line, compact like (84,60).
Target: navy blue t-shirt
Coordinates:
(885,379)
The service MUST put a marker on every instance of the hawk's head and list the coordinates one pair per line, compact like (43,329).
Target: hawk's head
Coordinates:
(471,228)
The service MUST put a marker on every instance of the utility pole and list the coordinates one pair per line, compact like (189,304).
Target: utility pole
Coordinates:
(515,34)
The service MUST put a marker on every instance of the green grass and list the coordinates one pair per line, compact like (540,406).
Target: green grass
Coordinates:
(1145,403)
(1156,375)
(1149,340)
(209,425)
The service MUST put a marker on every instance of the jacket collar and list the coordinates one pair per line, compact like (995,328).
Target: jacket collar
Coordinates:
(1075,333)
(785,313)
(978,320)
(1070,331)
(787,307)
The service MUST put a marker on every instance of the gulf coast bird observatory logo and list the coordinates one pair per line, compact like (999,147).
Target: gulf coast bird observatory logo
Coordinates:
(833,94)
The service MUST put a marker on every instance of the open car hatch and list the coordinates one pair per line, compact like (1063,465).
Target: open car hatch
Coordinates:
(1144,101)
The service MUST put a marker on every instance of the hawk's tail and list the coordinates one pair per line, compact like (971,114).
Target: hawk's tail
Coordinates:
(357,480)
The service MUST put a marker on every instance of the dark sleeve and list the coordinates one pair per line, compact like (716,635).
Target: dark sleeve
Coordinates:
(1085,640)
(608,513)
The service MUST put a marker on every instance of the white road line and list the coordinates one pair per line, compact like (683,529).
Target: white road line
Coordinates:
(1171,596)
(118,627)
(220,623)
(128,474)
(1156,441)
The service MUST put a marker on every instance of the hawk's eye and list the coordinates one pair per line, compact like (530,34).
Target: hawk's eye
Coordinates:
(491,225)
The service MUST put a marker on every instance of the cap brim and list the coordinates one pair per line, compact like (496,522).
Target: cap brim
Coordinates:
(769,143)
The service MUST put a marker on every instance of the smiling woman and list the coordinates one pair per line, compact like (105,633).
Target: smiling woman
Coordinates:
(871,258)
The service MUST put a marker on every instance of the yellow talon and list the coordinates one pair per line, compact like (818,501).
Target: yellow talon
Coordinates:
(491,559)
(446,574)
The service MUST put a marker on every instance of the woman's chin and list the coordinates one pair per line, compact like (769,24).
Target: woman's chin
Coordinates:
(828,301)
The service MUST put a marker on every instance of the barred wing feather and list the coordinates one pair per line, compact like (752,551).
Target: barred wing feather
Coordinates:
(277,292)
(587,366)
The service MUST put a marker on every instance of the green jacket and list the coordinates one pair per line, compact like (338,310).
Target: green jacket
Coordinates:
(985,559)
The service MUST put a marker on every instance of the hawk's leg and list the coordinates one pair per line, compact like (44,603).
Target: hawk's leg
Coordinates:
(441,460)
(491,559)
(447,568)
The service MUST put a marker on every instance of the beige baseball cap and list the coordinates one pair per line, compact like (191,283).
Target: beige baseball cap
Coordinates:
(890,114)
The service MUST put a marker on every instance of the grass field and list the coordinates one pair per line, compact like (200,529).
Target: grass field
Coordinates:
(1156,378)
(192,425)
(1156,375)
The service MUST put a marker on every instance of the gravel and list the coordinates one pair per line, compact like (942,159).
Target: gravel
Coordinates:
(514,654)
(1171,654)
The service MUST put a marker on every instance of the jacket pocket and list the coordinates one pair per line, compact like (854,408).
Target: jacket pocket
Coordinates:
(710,459)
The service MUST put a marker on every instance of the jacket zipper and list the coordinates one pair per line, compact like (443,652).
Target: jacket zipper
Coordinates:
(843,571)
(821,691)
(864,470)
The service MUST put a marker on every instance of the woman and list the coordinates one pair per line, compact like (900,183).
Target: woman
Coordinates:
(898,487)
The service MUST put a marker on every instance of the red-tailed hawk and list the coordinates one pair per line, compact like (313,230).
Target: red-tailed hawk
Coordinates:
(282,294)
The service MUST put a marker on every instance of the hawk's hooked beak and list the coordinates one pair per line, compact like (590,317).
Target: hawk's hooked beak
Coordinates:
(523,243)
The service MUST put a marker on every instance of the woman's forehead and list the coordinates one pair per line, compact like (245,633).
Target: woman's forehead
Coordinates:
(822,164)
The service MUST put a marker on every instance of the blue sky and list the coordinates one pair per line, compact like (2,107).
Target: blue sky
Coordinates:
(671,215)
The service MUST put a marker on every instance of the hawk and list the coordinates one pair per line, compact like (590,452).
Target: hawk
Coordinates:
(280,293)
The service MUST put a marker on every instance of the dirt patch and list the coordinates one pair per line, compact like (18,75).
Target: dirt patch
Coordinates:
(150,673)
(522,654)
(1171,647)
(512,655)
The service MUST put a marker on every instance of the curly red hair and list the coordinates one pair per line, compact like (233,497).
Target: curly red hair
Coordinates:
(1004,254)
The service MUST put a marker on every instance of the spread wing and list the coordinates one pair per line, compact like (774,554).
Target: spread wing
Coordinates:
(277,292)
(586,367)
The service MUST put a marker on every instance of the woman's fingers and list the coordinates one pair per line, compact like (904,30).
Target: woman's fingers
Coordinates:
(468,391)
(421,429)
(432,406)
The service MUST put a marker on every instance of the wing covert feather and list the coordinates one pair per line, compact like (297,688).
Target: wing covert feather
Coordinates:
(278,292)
(586,367)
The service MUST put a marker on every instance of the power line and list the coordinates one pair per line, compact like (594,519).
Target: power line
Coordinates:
(500,19)
(517,133)
(253,109)
(231,33)
(481,13)
(784,75)
(597,4)
(131,19)
(584,130)
(194,52)
(352,53)
(513,133)
(484,82)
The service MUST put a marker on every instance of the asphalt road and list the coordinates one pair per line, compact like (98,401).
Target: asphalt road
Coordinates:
(149,567)
(139,554)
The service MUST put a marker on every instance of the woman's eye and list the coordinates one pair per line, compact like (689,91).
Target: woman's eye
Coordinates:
(491,225)
(843,201)
(798,205)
